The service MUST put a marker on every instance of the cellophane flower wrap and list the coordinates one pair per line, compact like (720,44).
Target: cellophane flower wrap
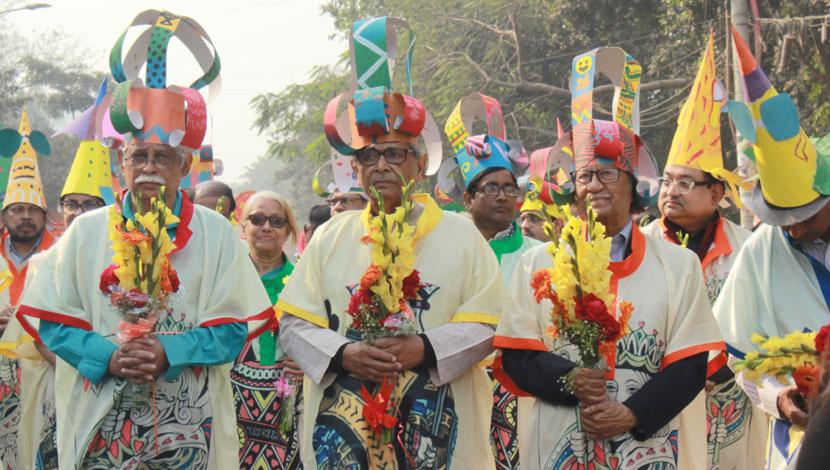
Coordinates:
(141,282)
(797,357)
(379,308)
(578,285)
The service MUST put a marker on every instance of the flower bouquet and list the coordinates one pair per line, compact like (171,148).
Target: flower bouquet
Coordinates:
(379,307)
(286,392)
(578,286)
(796,357)
(141,281)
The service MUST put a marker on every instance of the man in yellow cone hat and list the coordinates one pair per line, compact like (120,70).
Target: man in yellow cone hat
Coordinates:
(24,214)
(694,184)
(780,280)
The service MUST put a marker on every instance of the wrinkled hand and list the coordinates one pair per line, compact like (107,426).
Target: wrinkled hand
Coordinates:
(5,315)
(140,360)
(607,419)
(589,386)
(408,350)
(368,362)
(789,409)
(292,369)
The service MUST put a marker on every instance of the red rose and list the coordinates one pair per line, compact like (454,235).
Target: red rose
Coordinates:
(108,279)
(360,297)
(821,338)
(411,285)
(591,308)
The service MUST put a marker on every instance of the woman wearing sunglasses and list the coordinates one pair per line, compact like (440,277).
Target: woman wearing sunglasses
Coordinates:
(267,223)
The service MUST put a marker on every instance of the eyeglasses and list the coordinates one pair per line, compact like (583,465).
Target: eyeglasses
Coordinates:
(682,186)
(492,190)
(605,175)
(275,221)
(393,156)
(345,200)
(73,207)
(162,162)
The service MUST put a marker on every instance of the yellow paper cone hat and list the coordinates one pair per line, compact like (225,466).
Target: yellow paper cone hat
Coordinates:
(91,172)
(697,141)
(24,178)
(793,180)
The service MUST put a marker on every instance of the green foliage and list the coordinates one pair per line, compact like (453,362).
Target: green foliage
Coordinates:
(520,52)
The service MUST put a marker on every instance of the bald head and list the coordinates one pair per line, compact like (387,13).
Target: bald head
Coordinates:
(208,193)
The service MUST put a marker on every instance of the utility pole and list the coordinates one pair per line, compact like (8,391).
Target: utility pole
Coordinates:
(740,19)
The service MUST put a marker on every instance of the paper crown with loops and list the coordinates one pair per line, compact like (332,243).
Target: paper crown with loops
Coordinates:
(478,153)
(23,184)
(150,111)
(376,114)
(697,140)
(593,141)
(794,178)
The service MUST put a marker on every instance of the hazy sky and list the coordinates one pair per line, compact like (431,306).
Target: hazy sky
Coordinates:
(264,46)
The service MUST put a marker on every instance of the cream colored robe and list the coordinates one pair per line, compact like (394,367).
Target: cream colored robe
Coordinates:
(218,285)
(671,321)
(463,294)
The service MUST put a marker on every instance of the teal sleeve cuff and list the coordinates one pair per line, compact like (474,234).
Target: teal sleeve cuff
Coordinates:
(203,347)
(86,351)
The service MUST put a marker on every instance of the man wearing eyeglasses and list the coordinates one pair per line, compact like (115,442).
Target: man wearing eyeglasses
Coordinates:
(693,186)
(346,201)
(629,412)
(440,397)
(186,360)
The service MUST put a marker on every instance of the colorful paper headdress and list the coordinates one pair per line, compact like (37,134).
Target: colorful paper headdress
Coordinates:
(375,113)
(794,178)
(477,153)
(94,123)
(593,141)
(342,177)
(697,142)
(156,112)
(203,168)
(23,183)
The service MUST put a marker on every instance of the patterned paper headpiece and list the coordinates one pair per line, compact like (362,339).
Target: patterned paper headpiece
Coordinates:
(203,168)
(697,141)
(794,177)
(156,112)
(342,177)
(593,141)
(23,183)
(477,153)
(375,113)
(91,173)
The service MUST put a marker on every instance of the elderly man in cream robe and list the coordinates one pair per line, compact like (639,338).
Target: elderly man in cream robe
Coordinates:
(443,400)
(186,419)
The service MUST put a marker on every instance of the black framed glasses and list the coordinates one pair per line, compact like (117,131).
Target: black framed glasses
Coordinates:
(275,221)
(162,162)
(605,175)
(74,207)
(682,186)
(393,156)
(493,190)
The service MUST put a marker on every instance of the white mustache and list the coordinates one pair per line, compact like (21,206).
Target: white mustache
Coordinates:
(154,179)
